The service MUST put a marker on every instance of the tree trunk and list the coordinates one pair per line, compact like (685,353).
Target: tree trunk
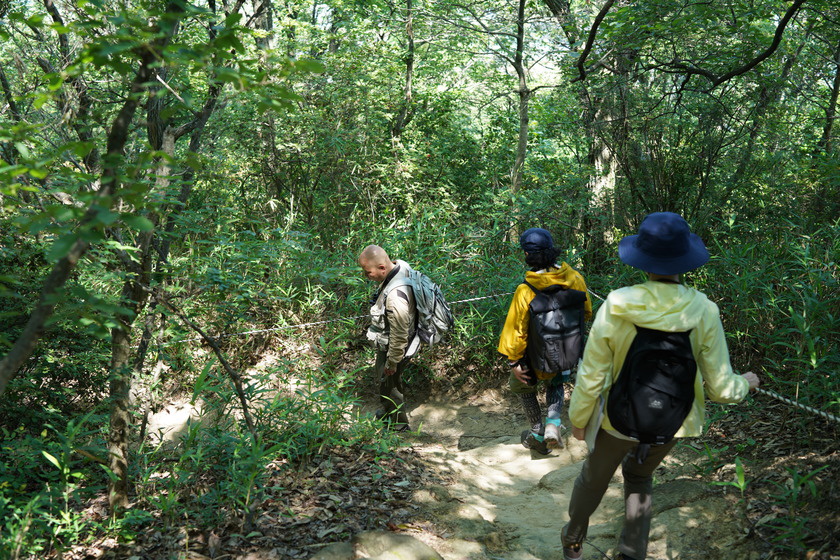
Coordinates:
(120,424)
(406,112)
(524,98)
(831,109)
(117,137)
(598,220)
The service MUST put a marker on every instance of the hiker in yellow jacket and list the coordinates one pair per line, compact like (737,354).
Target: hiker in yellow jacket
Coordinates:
(664,248)
(541,256)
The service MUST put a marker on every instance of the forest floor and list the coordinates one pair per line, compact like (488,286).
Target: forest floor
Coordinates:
(463,484)
(499,500)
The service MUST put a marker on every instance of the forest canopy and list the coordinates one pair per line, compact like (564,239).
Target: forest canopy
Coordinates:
(175,170)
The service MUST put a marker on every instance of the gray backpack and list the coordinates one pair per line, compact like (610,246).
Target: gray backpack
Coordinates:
(434,318)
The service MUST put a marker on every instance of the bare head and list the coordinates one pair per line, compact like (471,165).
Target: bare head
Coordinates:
(375,263)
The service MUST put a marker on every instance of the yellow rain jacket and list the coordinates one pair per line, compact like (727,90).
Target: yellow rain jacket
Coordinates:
(514,338)
(665,307)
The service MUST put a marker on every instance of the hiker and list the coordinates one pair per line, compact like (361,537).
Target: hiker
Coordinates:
(526,377)
(664,249)
(392,331)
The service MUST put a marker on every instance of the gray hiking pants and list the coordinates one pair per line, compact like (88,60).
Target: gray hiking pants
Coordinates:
(594,479)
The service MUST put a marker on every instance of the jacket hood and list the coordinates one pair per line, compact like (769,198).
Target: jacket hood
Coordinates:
(563,275)
(659,305)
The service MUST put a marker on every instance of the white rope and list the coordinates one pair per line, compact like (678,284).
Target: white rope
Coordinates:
(792,402)
(594,294)
(275,329)
(777,396)
(302,325)
(481,297)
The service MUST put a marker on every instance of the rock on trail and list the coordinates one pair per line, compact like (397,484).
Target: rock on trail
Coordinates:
(503,501)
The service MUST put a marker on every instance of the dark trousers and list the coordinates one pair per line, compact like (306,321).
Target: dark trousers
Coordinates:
(391,390)
(590,486)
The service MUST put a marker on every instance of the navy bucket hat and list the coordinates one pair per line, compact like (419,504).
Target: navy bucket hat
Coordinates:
(535,240)
(664,245)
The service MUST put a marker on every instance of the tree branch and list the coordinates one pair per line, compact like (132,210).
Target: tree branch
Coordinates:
(777,39)
(678,67)
(234,375)
(590,40)
(117,138)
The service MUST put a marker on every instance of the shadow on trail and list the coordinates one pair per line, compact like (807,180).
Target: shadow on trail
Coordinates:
(504,501)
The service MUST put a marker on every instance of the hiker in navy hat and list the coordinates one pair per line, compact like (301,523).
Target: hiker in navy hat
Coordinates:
(544,433)
(661,307)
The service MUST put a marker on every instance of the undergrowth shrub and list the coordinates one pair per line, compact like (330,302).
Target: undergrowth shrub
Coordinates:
(780,303)
(46,480)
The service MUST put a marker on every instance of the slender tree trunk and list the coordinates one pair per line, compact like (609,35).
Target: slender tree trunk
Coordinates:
(134,298)
(134,295)
(831,109)
(598,220)
(524,98)
(406,112)
(32,332)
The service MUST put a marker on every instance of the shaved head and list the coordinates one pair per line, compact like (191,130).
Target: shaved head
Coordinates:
(375,263)
(374,254)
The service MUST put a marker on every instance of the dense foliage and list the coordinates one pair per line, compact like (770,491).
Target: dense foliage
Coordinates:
(173,165)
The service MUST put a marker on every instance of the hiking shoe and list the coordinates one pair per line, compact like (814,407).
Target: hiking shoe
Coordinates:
(572,552)
(529,441)
(553,440)
(622,556)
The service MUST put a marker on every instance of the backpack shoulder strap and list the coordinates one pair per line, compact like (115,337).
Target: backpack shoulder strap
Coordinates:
(536,291)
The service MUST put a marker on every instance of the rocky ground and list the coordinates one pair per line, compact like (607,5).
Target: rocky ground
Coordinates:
(464,485)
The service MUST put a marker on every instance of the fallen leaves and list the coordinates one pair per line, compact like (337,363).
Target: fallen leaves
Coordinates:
(343,492)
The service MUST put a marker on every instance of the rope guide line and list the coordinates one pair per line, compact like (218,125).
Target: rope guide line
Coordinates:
(302,325)
(810,409)
(822,414)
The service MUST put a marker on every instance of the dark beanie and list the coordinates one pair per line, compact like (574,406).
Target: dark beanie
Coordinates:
(535,239)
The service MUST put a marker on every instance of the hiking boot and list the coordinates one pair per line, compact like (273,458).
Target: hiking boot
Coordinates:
(553,439)
(572,552)
(622,556)
(530,441)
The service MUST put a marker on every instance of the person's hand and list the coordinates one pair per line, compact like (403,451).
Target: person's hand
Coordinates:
(390,371)
(519,372)
(752,379)
(579,433)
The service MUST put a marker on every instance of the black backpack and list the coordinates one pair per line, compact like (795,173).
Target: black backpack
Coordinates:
(654,391)
(555,328)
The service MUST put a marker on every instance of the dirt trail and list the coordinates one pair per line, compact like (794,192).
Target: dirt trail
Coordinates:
(505,502)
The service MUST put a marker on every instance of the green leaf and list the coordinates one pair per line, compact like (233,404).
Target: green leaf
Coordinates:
(232,19)
(140,223)
(38,173)
(106,216)
(310,65)
(199,383)
(61,247)
(227,75)
(51,459)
